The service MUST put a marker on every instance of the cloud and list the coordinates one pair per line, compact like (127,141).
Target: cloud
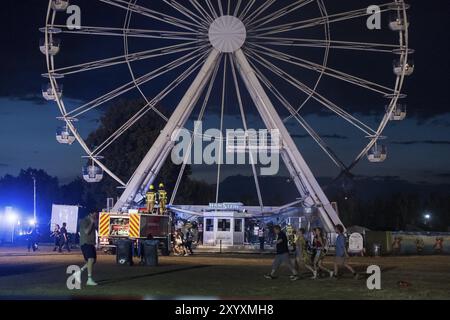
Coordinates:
(440,123)
(442,175)
(300,136)
(430,142)
(323,136)
(4,165)
(334,136)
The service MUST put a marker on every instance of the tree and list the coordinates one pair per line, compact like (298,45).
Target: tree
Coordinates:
(17,192)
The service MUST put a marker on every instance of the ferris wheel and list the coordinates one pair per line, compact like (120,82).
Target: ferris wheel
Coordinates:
(279,53)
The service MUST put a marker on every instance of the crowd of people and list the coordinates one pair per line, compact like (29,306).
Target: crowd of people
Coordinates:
(61,238)
(309,255)
(182,242)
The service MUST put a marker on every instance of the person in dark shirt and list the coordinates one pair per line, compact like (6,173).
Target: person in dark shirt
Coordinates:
(282,256)
(88,237)
(188,238)
(64,238)
(33,239)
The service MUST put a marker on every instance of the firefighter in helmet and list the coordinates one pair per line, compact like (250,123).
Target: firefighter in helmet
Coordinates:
(150,199)
(162,195)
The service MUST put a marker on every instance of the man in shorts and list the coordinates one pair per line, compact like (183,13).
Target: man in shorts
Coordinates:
(87,244)
(282,256)
(341,253)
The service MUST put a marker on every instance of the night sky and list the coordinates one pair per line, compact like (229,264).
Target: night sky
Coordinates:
(419,147)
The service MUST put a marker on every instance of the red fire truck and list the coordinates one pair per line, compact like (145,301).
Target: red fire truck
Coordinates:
(134,226)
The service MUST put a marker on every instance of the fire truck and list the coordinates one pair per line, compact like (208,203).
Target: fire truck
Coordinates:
(135,226)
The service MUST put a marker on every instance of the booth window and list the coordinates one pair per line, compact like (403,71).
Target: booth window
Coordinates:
(238,225)
(209,225)
(224,225)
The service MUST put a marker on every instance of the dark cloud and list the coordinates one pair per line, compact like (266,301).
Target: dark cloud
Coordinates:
(334,136)
(324,136)
(300,136)
(4,165)
(414,142)
(21,75)
(440,122)
(443,175)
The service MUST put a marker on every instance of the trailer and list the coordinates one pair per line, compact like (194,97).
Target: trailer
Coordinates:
(134,226)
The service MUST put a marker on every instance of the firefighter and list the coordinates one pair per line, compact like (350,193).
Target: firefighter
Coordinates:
(150,199)
(162,195)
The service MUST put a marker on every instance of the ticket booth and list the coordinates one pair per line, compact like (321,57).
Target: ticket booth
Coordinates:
(223,227)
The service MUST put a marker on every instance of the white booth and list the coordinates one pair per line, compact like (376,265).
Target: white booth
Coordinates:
(226,227)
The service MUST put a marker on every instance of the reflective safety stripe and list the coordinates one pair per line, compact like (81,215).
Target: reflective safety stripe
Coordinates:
(151,197)
(103,225)
(134,230)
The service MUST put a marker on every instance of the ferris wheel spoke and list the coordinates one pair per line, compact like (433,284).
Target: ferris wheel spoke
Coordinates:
(306,64)
(338,17)
(246,9)
(244,122)
(187,13)
(219,3)
(255,14)
(132,84)
(195,132)
(151,105)
(211,9)
(125,5)
(132,33)
(222,114)
(113,61)
(280,13)
(367,130)
(314,135)
(333,44)
(236,9)
(205,14)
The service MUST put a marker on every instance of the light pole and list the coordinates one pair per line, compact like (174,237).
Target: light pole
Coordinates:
(34,198)
(427,217)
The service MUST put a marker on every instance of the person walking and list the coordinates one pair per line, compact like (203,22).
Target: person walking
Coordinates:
(87,244)
(282,256)
(302,257)
(32,239)
(341,253)
(64,242)
(319,245)
(57,235)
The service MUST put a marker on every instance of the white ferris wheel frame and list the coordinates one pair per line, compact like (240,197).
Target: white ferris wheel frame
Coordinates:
(244,62)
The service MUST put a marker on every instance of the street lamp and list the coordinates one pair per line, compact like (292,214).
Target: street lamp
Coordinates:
(12,218)
(427,218)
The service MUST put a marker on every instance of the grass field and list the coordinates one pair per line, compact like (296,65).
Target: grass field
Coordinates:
(43,275)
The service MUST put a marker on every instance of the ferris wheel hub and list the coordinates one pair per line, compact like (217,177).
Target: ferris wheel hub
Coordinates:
(227,34)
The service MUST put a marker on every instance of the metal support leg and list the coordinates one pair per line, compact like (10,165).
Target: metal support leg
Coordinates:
(300,172)
(153,161)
